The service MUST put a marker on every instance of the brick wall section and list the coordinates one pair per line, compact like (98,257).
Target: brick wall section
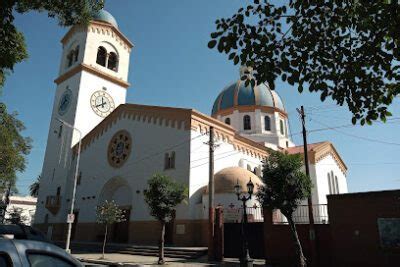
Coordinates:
(350,239)
(353,222)
(279,245)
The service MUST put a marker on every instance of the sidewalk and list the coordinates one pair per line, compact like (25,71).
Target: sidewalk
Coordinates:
(137,260)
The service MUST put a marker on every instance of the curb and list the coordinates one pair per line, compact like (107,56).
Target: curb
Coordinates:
(109,263)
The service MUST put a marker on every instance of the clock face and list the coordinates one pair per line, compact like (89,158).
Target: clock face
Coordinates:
(65,102)
(102,103)
(119,148)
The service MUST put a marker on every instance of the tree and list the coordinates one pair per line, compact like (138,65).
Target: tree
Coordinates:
(162,197)
(107,214)
(13,147)
(34,187)
(15,216)
(285,186)
(12,42)
(346,50)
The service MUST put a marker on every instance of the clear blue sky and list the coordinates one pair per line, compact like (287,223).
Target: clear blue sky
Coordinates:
(171,66)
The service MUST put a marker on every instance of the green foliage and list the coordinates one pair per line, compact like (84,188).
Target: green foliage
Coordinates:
(346,50)
(163,195)
(12,43)
(285,184)
(109,213)
(13,146)
(34,187)
(15,216)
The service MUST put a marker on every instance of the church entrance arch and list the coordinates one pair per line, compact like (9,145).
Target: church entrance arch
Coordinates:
(118,190)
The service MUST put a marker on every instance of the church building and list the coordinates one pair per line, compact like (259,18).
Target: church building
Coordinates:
(123,145)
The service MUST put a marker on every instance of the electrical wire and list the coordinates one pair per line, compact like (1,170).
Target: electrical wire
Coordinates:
(357,136)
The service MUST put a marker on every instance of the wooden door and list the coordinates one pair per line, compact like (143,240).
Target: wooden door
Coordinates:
(121,230)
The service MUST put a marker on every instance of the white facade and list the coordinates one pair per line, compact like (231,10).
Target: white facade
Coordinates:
(274,138)
(26,205)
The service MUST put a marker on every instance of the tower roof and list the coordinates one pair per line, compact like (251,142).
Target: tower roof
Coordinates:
(105,16)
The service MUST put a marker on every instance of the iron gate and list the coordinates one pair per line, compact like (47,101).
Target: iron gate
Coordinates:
(233,240)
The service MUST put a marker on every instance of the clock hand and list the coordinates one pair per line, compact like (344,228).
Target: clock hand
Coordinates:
(102,102)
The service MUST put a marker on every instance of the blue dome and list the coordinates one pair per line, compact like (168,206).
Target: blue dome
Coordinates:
(105,16)
(237,94)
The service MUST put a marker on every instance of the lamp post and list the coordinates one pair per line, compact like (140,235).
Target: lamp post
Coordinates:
(245,260)
(67,249)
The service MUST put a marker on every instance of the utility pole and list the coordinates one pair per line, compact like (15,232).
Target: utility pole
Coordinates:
(310,204)
(211,211)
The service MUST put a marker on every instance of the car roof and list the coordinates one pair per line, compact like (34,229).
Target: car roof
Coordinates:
(43,247)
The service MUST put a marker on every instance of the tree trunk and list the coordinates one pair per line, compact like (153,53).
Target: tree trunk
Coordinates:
(299,251)
(105,240)
(161,246)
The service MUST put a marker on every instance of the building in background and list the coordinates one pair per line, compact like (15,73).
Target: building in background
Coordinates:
(25,205)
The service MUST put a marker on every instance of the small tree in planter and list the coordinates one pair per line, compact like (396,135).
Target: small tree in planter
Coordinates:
(285,186)
(162,196)
(107,214)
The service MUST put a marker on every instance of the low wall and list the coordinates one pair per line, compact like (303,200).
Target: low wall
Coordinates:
(185,232)
(279,245)
(352,237)
(355,231)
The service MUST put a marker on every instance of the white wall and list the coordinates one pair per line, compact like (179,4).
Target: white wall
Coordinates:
(325,165)
(224,156)
(272,138)
(26,204)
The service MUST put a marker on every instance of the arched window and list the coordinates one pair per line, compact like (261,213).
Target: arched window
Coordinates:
(101,56)
(246,122)
(267,123)
(282,129)
(70,58)
(76,53)
(112,61)
(228,121)
(249,167)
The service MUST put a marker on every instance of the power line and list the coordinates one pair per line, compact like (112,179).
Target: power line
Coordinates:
(357,136)
(390,121)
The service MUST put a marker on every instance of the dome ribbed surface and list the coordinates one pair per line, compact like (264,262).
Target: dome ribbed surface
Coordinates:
(238,94)
(105,16)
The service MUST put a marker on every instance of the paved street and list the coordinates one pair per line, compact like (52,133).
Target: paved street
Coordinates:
(137,260)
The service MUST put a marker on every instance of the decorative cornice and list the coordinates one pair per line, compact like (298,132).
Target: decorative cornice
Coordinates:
(92,70)
(72,30)
(318,151)
(179,118)
(251,108)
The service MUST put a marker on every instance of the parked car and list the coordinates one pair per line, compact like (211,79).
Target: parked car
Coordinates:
(22,246)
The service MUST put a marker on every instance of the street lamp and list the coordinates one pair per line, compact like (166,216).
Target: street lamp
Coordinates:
(67,249)
(245,260)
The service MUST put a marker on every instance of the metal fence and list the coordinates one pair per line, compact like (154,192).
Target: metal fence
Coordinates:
(254,214)
(300,216)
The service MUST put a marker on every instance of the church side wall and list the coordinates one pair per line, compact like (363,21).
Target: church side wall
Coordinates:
(323,167)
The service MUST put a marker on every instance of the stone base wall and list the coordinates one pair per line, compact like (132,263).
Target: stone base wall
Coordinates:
(185,232)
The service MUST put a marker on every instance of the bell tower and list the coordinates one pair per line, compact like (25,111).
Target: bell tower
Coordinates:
(92,82)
